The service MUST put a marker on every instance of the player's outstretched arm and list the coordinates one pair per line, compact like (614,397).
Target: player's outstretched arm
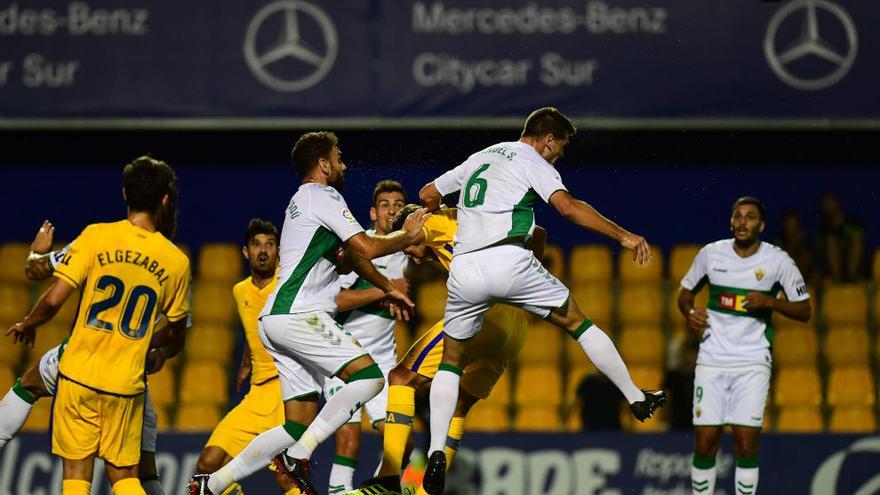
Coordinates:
(371,247)
(399,303)
(46,308)
(37,266)
(430,197)
(584,215)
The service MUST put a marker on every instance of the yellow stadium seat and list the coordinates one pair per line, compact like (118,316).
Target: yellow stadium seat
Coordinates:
(795,347)
(543,344)
(845,303)
(501,391)
(210,342)
(14,302)
(538,384)
(630,271)
(853,419)
(431,301)
(220,262)
(647,376)
(876,266)
(595,300)
(12,259)
(163,416)
(197,417)
(798,386)
(847,346)
(782,323)
(573,381)
(642,345)
(204,383)
(590,263)
(403,337)
(799,419)
(680,259)
(10,354)
(488,417)
(213,302)
(851,386)
(640,304)
(537,418)
(38,420)
(574,422)
(554,261)
(576,359)
(163,387)
(7,378)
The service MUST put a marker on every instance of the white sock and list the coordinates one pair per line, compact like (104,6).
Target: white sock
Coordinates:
(341,475)
(444,396)
(703,479)
(746,480)
(604,355)
(153,487)
(335,413)
(257,455)
(14,412)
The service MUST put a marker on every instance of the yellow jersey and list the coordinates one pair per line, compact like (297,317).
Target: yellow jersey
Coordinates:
(128,276)
(439,232)
(250,300)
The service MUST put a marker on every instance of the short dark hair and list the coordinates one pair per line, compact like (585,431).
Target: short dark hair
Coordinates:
(404,212)
(750,200)
(259,226)
(387,186)
(146,181)
(311,147)
(548,120)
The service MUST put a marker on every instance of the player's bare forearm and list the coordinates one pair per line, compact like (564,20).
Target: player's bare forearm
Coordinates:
(349,299)
(538,242)
(430,197)
(685,301)
(796,310)
(173,338)
(49,304)
(369,247)
(584,215)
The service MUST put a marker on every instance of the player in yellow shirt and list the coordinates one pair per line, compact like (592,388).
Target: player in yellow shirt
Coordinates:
(489,354)
(129,273)
(262,408)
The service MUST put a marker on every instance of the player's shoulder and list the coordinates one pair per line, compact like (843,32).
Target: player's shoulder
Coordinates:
(241,287)
(719,246)
(774,252)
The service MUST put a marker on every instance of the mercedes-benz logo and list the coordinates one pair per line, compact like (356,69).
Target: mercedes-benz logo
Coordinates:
(810,44)
(291,63)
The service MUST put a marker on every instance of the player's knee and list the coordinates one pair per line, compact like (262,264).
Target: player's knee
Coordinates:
(400,375)
(746,446)
(33,383)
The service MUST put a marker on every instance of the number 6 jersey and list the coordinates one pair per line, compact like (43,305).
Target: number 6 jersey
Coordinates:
(128,276)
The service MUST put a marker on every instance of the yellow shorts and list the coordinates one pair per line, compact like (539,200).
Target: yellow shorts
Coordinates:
(260,410)
(488,353)
(86,421)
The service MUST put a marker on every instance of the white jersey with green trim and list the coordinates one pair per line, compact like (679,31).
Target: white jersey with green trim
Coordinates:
(499,186)
(316,222)
(373,324)
(737,336)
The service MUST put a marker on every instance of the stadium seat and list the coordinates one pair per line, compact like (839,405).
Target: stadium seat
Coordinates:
(537,417)
(576,359)
(630,271)
(851,386)
(782,323)
(640,304)
(163,416)
(38,420)
(680,259)
(7,378)
(845,304)
(538,384)
(647,376)
(847,345)
(797,386)
(573,422)
(554,261)
(162,387)
(431,301)
(403,337)
(590,263)
(213,302)
(10,354)
(12,259)
(220,262)
(501,391)
(204,383)
(799,419)
(488,417)
(642,344)
(543,344)
(853,419)
(595,300)
(795,347)
(14,302)
(197,417)
(210,342)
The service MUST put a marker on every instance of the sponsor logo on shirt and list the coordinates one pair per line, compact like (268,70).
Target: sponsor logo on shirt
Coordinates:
(759,274)
(731,302)
(349,218)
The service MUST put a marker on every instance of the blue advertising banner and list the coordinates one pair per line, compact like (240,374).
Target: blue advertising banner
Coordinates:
(528,464)
(625,59)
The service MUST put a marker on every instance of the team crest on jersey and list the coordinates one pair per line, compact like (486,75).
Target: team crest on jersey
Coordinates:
(346,214)
(759,274)
(698,411)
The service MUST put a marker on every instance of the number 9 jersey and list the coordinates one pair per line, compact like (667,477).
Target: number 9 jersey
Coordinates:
(128,277)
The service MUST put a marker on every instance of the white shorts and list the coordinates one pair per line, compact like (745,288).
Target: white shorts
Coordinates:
(307,348)
(730,396)
(506,274)
(377,406)
(49,374)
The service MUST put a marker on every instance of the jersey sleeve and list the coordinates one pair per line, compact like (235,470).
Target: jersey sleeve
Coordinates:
(333,213)
(697,275)
(545,180)
(792,281)
(437,229)
(179,299)
(56,257)
(74,266)
(452,180)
